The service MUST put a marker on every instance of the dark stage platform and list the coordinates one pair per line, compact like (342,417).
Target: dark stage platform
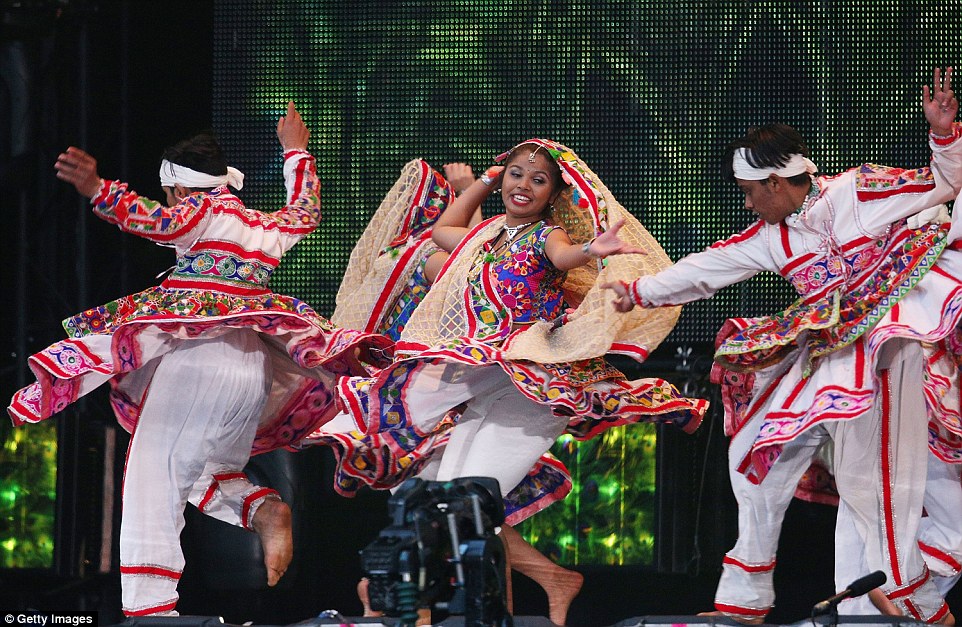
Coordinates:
(523,621)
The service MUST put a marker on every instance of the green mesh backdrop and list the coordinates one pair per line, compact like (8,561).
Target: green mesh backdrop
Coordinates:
(28,490)
(648,93)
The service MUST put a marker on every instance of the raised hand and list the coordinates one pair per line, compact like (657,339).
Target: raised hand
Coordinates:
(939,103)
(459,175)
(608,243)
(291,130)
(80,170)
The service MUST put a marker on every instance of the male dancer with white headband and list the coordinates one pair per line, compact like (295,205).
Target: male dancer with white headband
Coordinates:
(182,179)
(206,368)
(861,359)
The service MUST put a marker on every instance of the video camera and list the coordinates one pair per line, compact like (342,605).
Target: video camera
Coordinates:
(440,551)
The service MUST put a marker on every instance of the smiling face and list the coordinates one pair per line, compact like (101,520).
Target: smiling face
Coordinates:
(529,185)
(772,199)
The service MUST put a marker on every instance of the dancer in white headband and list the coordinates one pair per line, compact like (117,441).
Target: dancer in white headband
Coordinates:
(205,368)
(852,361)
(172,175)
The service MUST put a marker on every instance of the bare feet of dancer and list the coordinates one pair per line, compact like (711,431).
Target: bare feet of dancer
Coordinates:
(272,523)
(561,585)
(365,598)
(743,621)
(424,614)
(887,608)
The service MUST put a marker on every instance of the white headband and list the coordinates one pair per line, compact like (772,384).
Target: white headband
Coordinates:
(171,174)
(797,164)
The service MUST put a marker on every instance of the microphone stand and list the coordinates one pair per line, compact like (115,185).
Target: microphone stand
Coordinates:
(831,616)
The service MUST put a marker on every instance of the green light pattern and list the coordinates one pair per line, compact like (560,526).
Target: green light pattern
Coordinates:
(648,93)
(28,493)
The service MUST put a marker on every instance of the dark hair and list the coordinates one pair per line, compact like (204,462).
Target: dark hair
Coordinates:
(769,146)
(200,152)
(557,181)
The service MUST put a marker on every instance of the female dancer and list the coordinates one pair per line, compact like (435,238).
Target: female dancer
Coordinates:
(483,339)
(390,271)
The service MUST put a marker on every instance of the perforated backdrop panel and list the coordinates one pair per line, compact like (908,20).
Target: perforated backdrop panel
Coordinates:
(648,93)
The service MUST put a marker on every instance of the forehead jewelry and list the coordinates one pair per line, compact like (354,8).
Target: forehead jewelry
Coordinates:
(533,153)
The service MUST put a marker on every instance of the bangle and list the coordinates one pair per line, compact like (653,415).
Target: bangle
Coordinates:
(586,248)
(490,175)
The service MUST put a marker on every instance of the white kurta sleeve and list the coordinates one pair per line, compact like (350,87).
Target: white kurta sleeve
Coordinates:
(885,195)
(700,275)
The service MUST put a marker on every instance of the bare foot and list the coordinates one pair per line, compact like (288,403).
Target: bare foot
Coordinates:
(737,619)
(424,614)
(562,586)
(272,523)
(949,620)
(365,598)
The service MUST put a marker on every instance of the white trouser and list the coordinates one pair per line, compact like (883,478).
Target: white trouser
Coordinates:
(197,423)
(940,534)
(746,588)
(500,434)
(880,469)
(880,466)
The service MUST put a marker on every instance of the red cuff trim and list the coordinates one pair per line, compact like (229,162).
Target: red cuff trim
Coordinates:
(165,607)
(249,503)
(945,140)
(940,614)
(152,571)
(634,295)
(101,196)
(749,568)
(741,611)
(908,589)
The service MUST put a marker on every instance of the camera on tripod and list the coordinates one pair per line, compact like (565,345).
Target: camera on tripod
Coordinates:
(441,552)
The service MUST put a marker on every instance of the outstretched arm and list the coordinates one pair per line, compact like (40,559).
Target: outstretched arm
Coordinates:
(115,203)
(566,255)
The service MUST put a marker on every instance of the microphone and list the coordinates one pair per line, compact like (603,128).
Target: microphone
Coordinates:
(855,589)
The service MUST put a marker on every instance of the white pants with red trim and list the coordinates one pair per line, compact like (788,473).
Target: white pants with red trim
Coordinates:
(501,433)
(880,464)
(746,588)
(198,422)
(940,534)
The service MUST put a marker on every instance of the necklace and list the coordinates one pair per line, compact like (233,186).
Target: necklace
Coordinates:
(512,231)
